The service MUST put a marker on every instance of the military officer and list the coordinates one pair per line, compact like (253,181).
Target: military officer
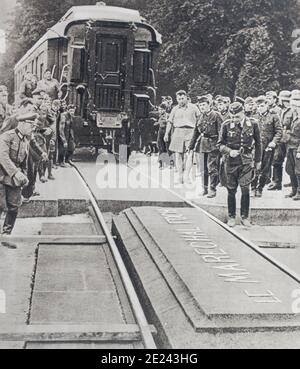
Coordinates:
(286,118)
(293,148)
(13,157)
(207,130)
(271,134)
(272,99)
(223,104)
(238,138)
(250,107)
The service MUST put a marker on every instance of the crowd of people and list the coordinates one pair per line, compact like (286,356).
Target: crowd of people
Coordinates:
(36,137)
(236,143)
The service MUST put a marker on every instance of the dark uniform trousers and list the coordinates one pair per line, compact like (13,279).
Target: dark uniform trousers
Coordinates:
(10,200)
(271,131)
(281,150)
(240,170)
(293,168)
(37,147)
(209,168)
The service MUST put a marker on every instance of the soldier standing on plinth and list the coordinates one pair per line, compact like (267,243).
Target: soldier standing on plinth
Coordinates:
(14,146)
(238,138)
(271,134)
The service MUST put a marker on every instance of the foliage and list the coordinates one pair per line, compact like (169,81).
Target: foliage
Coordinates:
(230,47)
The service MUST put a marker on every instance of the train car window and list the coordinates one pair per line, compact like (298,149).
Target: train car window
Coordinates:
(36,65)
(41,70)
(141,66)
(78,64)
(112,57)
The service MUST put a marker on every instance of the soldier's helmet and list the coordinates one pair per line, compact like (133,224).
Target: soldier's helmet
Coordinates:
(295,98)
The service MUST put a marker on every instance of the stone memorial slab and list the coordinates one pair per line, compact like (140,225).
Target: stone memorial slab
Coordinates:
(216,278)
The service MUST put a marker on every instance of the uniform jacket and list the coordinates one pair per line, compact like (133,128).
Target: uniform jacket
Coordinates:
(287,117)
(13,156)
(293,141)
(243,137)
(208,128)
(270,128)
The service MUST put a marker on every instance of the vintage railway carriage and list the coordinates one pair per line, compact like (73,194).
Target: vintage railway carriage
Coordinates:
(106,56)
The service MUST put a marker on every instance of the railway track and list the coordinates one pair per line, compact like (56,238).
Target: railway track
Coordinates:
(51,321)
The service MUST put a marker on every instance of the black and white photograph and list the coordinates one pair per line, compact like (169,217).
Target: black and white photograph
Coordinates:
(149,177)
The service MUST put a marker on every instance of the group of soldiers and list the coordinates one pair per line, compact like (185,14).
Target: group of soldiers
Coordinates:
(242,143)
(36,136)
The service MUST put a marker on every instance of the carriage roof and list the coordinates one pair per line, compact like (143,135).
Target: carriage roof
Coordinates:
(85,13)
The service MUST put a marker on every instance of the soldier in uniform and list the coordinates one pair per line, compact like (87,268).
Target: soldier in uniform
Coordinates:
(271,134)
(272,99)
(293,148)
(207,130)
(66,137)
(238,137)
(223,104)
(13,158)
(286,119)
(250,108)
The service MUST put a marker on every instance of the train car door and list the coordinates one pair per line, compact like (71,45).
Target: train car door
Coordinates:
(110,69)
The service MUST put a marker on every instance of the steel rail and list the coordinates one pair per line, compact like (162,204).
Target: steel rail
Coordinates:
(136,306)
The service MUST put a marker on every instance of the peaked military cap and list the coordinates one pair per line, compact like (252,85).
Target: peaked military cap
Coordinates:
(203,99)
(236,108)
(239,100)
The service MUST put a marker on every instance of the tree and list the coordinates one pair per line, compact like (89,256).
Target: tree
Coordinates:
(229,47)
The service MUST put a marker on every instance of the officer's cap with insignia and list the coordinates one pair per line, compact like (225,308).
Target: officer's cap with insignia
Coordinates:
(236,108)
(28,117)
(261,100)
(285,95)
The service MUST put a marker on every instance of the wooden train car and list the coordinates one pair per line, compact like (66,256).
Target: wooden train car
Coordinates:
(107,57)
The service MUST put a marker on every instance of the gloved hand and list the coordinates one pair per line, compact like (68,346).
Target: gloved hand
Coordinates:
(20,179)
(298,155)
(234,153)
(272,145)
(65,145)
(166,138)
